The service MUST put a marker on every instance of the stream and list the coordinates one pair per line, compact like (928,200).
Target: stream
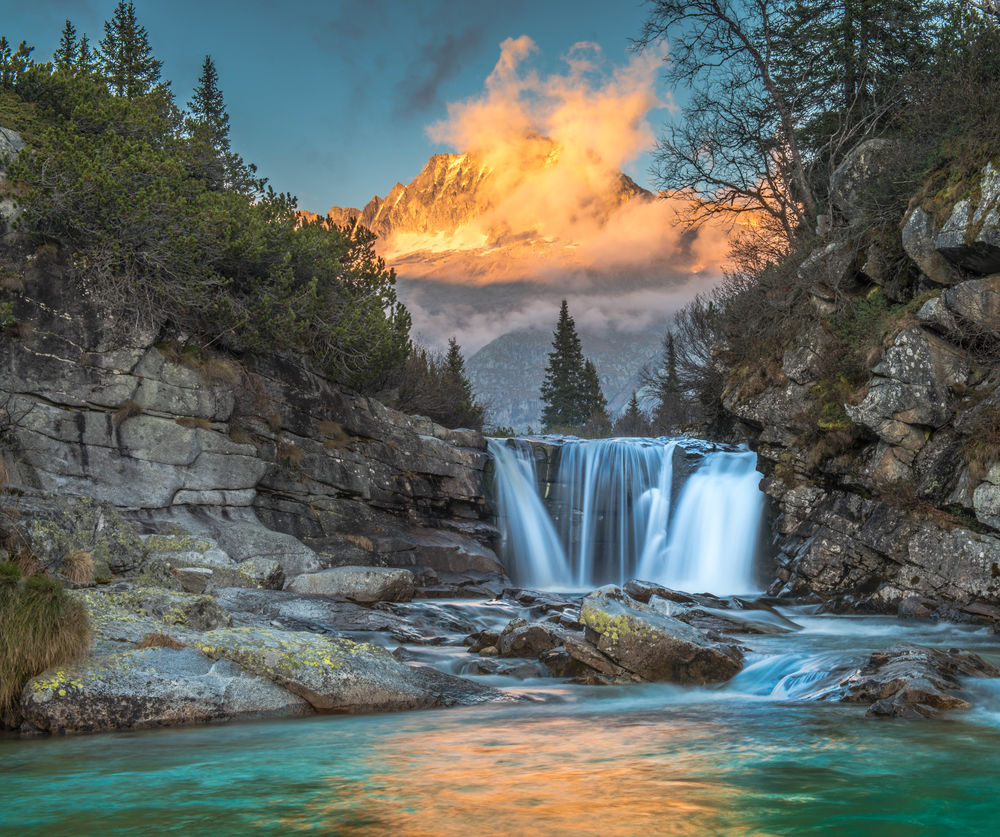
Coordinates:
(765,753)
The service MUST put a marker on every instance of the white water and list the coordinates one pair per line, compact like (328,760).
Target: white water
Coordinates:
(616,511)
(529,541)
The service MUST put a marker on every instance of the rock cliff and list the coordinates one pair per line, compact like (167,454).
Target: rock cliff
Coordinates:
(890,499)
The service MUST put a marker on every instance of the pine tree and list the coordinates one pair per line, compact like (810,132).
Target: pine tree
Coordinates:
(208,109)
(597,404)
(86,60)
(468,412)
(563,384)
(65,56)
(209,129)
(125,54)
(633,421)
(13,64)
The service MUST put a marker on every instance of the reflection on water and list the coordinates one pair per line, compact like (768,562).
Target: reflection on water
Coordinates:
(536,776)
(747,758)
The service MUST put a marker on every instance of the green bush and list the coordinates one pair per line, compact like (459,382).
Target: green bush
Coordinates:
(119,184)
(40,627)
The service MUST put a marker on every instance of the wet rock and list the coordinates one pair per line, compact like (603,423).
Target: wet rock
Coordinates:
(150,688)
(643,591)
(530,639)
(911,681)
(358,584)
(483,639)
(333,674)
(654,646)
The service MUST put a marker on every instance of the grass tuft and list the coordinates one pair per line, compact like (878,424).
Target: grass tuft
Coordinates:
(41,628)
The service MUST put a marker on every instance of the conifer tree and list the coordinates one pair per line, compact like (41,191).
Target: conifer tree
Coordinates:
(632,422)
(209,128)
(208,109)
(597,404)
(86,60)
(125,54)
(65,57)
(13,64)
(571,391)
(469,412)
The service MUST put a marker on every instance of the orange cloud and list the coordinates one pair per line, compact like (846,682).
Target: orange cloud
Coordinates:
(545,154)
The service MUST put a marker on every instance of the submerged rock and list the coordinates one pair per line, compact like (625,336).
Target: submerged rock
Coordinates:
(150,688)
(914,681)
(359,584)
(652,645)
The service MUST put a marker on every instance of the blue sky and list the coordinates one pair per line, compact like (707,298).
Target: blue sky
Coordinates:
(332,99)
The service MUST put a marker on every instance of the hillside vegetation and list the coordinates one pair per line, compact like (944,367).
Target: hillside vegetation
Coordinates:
(167,228)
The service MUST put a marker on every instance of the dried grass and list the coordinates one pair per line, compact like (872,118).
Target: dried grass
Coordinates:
(41,628)
(156,640)
(78,567)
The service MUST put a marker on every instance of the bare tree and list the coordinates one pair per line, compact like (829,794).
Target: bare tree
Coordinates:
(777,92)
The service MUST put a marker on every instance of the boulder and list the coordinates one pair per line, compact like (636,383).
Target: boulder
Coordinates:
(652,645)
(530,639)
(977,305)
(914,681)
(970,238)
(358,584)
(149,688)
(986,499)
(856,174)
(333,674)
(919,237)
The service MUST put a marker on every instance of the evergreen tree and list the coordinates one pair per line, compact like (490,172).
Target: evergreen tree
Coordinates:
(209,128)
(208,110)
(468,412)
(564,387)
(65,56)
(86,60)
(125,54)
(597,404)
(13,64)
(633,421)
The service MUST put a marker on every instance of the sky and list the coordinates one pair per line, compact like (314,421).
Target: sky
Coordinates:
(336,101)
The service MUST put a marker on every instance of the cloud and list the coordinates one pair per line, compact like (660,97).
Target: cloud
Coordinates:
(438,61)
(554,217)
(553,148)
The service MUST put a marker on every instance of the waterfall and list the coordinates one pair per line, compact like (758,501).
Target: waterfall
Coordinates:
(677,512)
(530,546)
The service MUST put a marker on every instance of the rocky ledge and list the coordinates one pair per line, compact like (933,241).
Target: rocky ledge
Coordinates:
(890,500)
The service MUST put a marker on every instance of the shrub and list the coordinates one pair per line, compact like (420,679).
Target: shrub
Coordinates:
(110,179)
(40,627)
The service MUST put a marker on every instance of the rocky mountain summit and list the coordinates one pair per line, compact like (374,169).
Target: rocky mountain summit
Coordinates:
(890,500)
(456,189)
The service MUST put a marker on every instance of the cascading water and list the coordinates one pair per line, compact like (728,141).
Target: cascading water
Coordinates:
(674,511)
(530,545)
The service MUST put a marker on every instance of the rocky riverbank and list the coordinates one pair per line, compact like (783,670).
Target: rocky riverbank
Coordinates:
(888,496)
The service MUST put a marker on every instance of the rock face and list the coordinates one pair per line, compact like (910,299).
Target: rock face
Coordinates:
(897,500)
(451,190)
(652,645)
(263,459)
